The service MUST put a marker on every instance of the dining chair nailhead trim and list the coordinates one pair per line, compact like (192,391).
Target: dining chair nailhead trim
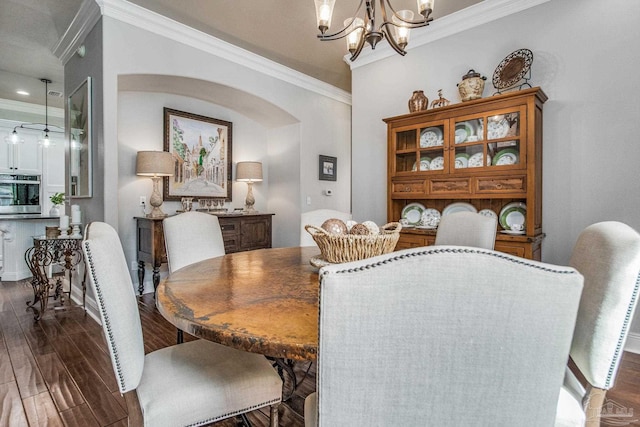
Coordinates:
(105,317)
(522,261)
(230,414)
(623,333)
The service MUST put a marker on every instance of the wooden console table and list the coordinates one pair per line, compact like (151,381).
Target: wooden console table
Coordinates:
(240,232)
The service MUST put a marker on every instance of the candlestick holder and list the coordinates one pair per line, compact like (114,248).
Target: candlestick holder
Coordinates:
(75,231)
(63,233)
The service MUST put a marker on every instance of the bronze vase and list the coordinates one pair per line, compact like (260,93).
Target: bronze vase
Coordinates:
(418,101)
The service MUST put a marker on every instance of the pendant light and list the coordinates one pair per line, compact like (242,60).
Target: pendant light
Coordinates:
(46,141)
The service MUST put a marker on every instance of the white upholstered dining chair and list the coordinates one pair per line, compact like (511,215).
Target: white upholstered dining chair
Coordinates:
(442,336)
(467,229)
(191,384)
(608,256)
(317,217)
(191,237)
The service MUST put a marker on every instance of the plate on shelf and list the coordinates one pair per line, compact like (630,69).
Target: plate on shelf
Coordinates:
(459,207)
(431,137)
(512,68)
(437,163)
(508,156)
(475,161)
(430,218)
(513,213)
(497,128)
(424,164)
(489,213)
(463,132)
(513,233)
(462,160)
(413,213)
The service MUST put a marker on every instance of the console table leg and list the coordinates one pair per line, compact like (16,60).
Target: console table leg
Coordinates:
(140,277)
(156,277)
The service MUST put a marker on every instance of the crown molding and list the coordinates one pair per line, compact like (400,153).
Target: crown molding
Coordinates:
(25,107)
(81,25)
(140,17)
(473,16)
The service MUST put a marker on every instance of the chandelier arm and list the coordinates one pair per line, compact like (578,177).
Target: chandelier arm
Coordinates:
(412,24)
(340,34)
(391,40)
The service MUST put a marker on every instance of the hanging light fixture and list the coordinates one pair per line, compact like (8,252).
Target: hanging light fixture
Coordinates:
(357,30)
(45,141)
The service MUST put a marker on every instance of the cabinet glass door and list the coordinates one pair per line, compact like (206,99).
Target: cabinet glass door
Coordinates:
(432,148)
(406,143)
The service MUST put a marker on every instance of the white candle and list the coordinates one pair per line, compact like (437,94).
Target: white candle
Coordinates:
(76,216)
(64,222)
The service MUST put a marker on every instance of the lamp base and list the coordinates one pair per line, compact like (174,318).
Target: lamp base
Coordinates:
(250,200)
(156,200)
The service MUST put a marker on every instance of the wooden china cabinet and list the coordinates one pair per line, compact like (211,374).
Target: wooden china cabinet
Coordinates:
(478,155)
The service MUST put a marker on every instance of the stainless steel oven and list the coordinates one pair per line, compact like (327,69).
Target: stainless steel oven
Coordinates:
(19,194)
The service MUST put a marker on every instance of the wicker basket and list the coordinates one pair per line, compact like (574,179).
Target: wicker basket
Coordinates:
(338,248)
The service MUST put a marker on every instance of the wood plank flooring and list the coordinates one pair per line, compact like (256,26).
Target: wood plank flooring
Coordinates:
(57,372)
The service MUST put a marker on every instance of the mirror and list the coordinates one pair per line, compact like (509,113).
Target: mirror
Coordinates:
(79,116)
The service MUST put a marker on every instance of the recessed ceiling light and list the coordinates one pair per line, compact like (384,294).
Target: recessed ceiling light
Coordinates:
(22,92)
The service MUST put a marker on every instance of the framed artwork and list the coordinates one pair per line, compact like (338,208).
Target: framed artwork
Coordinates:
(201,150)
(327,168)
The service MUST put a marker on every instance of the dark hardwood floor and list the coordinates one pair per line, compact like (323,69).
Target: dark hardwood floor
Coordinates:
(56,372)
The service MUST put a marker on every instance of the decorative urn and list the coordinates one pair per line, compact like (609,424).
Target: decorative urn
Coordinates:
(471,86)
(418,101)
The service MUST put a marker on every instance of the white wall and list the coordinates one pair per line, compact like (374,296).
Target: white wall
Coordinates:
(586,61)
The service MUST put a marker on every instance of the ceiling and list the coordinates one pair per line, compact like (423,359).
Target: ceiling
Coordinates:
(281,30)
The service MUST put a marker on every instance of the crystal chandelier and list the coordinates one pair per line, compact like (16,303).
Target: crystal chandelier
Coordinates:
(358,30)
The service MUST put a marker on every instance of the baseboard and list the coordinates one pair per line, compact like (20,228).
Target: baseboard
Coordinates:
(91,307)
(633,343)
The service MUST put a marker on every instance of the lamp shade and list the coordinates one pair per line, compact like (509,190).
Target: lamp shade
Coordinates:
(249,171)
(154,163)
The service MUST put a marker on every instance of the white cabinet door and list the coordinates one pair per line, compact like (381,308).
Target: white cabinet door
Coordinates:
(28,157)
(23,158)
(6,158)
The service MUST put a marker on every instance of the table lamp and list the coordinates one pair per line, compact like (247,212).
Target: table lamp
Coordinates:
(249,172)
(155,164)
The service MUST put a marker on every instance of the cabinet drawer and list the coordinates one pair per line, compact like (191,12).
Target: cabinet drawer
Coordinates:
(501,185)
(408,187)
(450,186)
(511,250)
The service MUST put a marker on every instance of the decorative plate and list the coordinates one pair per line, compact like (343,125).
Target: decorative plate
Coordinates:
(413,213)
(512,68)
(489,213)
(463,132)
(508,156)
(431,137)
(437,163)
(513,213)
(462,160)
(430,218)
(459,207)
(475,161)
(497,128)
(424,164)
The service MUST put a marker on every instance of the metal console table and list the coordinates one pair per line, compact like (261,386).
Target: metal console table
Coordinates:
(65,252)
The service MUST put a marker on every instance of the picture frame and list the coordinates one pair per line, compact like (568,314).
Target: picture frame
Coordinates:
(202,151)
(327,168)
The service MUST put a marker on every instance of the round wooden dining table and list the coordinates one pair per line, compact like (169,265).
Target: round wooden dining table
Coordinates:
(263,301)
